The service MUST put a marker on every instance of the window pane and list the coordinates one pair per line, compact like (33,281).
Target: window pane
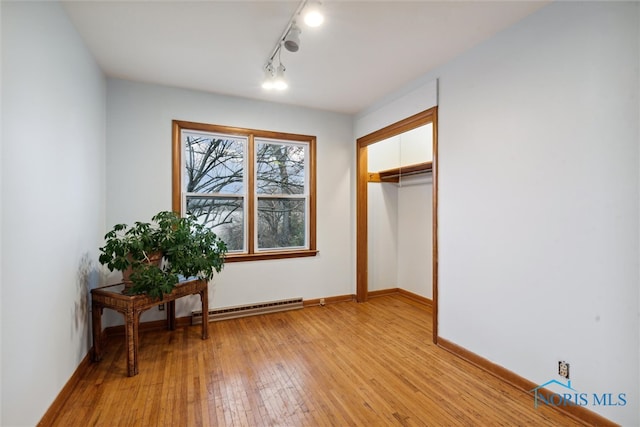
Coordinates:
(280,168)
(281,223)
(224,215)
(213,163)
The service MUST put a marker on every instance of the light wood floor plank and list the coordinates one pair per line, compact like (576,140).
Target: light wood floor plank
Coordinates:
(344,364)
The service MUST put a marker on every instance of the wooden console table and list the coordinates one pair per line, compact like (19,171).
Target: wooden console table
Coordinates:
(132,306)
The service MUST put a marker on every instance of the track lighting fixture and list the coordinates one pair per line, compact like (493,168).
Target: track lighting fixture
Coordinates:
(280,83)
(274,77)
(290,39)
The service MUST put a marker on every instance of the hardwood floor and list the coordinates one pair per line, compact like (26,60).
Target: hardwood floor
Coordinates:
(342,364)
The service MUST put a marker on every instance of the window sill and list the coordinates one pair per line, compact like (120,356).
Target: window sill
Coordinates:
(270,255)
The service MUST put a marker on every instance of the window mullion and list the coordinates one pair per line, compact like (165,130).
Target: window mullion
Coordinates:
(250,196)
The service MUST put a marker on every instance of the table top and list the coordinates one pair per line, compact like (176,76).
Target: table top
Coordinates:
(116,288)
(182,288)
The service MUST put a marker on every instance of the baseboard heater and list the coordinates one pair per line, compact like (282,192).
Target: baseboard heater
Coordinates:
(247,310)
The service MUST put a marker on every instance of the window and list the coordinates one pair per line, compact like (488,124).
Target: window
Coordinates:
(255,189)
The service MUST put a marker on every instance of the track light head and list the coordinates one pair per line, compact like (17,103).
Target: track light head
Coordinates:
(274,77)
(269,76)
(292,40)
(280,83)
(313,16)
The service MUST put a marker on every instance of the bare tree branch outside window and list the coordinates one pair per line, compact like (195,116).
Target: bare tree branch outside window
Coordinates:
(216,184)
(281,172)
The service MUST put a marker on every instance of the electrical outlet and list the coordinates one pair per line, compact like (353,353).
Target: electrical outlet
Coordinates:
(563,369)
(161,307)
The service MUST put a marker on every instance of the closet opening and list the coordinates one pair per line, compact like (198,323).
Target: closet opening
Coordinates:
(397,210)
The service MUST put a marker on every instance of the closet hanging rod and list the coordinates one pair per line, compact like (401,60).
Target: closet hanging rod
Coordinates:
(419,168)
(401,174)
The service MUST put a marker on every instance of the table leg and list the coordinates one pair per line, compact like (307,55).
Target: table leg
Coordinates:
(171,315)
(96,320)
(204,298)
(132,319)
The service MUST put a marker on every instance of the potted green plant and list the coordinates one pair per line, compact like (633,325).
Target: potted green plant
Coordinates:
(126,246)
(155,256)
(190,248)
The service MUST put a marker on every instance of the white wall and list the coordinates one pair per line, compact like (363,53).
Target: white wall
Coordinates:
(417,97)
(382,232)
(415,215)
(53,115)
(415,245)
(139,185)
(538,131)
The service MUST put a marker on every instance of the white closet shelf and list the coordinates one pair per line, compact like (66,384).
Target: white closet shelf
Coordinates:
(394,175)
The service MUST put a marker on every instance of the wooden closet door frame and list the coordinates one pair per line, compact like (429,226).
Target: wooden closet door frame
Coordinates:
(362,246)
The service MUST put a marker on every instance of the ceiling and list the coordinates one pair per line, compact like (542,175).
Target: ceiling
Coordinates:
(363,51)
